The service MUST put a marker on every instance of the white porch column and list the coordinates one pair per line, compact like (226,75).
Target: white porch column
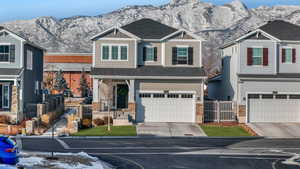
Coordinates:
(96,94)
(131,94)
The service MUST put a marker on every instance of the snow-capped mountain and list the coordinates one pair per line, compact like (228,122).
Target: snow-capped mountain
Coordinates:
(214,23)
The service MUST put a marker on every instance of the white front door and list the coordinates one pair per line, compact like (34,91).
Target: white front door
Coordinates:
(160,107)
(273,108)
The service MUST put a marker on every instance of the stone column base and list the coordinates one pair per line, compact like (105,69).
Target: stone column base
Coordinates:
(96,106)
(199,113)
(241,115)
(132,109)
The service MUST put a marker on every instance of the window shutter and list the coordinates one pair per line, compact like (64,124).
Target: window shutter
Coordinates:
(249,56)
(283,55)
(265,56)
(191,56)
(155,54)
(174,55)
(12,53)
(294,55)
(144,53)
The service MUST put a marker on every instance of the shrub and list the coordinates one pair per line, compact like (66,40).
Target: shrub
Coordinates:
(99,122)
(87,123)
(105,118)
(4,119)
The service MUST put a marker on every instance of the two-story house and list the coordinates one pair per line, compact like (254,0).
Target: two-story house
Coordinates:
(261,72)
(151,70)
(21,74)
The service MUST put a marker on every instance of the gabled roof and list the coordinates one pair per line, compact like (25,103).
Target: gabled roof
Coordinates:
(22,38)
(149,29)
(282,30)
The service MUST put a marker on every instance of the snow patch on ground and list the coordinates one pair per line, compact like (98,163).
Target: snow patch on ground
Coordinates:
(294,160)
(65,161)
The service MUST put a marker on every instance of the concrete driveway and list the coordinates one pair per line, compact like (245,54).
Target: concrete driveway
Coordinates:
(277,130)
(169,129)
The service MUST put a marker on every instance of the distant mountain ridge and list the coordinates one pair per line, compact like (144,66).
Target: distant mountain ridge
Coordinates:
(214,23)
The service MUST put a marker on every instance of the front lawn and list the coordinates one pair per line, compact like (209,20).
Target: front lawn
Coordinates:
(224,131)
(102,131)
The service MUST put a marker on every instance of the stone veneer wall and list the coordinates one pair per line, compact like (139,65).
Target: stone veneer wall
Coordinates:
(15,104)
(199,113)
(241,116)
(132,109)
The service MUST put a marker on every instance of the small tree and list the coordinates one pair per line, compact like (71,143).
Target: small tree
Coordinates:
(49,81)
(84,86)
(60,83)
(107,91)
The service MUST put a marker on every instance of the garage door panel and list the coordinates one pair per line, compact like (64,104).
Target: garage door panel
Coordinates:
(165,109)
(274,110)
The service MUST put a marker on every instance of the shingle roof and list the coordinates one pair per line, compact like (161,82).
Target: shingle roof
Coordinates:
(149,29)
(282,30)
(9,72)
(150,71)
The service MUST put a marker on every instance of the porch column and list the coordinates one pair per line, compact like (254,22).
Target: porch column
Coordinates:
(15,103)
(96,95)
(131,99)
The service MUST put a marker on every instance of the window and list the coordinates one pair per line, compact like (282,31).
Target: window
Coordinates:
(158,95)
(4,53)
(253,96)
(182,55)
(124,53)
(281,96)
(257,56)
(173,95)
(267,96)
(145,95)
(105,52)
(149,54)
(114,52)
(186,95)
(288,55)
(294,96)
(29,60)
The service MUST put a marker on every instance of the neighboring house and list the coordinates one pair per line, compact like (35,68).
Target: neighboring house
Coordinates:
(261,72)
(72,65)
(21,74)
(156,70)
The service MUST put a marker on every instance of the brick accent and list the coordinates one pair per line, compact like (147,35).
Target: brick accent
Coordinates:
(132,108)
(96,106)
(199,113)
(241,114)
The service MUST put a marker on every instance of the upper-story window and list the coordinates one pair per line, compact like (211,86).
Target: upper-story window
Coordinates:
(150,53)
(257,56)
(288,55)
(114,52)
(182,56)
(4,53)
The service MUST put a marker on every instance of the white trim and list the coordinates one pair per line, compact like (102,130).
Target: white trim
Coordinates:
(170,91)
(110,52)
(182,46)
(200,54)
(163,53)
(94,54)
(9,54)
(255,31)
(22,55)
(118,39)
(13,34)
(135,53)
(184,40)
(182,30)
(276,60)
(147,77)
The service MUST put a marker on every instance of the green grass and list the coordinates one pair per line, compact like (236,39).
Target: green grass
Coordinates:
(220,131)
(102,131)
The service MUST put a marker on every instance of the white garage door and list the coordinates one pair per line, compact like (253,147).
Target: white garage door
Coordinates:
(274,108)
(160,107)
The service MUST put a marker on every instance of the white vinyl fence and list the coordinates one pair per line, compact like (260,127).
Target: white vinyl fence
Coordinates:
(219,111)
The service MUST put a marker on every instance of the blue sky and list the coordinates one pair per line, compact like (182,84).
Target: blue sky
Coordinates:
(27,9)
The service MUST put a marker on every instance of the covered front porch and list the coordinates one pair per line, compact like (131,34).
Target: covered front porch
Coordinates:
(115,95)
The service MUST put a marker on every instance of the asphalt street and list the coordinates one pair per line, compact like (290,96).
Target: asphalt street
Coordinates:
(178,153)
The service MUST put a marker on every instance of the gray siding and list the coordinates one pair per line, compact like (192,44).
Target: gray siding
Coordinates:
(245,69)
(31,76)
(5,39)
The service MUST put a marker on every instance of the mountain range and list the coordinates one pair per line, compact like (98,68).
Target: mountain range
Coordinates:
(216,24)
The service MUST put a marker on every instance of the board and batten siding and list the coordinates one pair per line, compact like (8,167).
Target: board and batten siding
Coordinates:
(289,67)
(270,68)
(130,63)
(8,39)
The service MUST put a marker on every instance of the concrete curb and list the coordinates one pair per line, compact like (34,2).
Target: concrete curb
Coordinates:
(138,137)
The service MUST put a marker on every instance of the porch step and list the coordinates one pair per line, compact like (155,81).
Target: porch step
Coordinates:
(121,122)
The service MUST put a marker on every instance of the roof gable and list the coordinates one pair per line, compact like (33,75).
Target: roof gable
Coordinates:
(149,29)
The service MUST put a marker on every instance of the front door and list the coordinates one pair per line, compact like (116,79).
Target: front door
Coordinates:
(122,96)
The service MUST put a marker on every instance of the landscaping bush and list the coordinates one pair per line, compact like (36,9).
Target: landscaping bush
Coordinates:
(86,123)
(105,118)
(99,122)
(4,119)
